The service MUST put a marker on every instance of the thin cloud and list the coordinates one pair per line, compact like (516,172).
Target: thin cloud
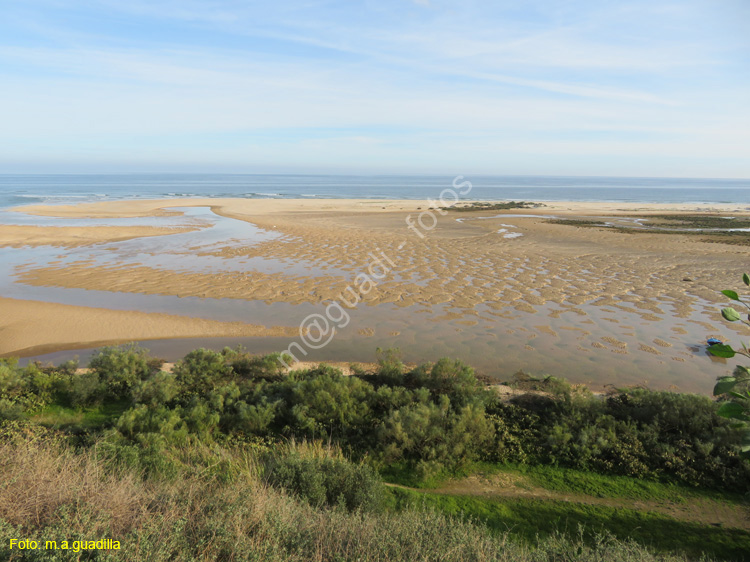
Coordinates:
(459,83)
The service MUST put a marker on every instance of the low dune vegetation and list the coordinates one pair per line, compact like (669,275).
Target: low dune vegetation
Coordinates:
(710,228)
(226,456)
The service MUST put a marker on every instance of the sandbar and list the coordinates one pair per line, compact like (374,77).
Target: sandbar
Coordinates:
(31,327)
(18,236)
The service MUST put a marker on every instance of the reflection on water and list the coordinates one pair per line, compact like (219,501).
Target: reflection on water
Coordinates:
(182,251)
(592,344)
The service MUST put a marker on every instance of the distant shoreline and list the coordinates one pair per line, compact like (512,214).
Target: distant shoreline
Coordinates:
(252,206)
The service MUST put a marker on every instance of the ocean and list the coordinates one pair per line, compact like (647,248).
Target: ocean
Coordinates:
(66,189)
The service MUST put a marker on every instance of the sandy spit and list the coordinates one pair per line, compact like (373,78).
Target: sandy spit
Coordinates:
(17,236)
(156,207)
(34,325)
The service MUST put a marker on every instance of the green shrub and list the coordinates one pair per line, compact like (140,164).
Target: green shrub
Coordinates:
(253,419)
(323,400)
(12,382)
(200,371)
(639,433)
(449,377)
(430,432)
(390,368)
(10,410)
(161,388)
(327,482)
(255,367)
(24,389)
(69,367)
(84,389)
(142,424)
(120,369)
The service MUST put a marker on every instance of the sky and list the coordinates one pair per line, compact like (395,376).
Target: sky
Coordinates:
(559,87)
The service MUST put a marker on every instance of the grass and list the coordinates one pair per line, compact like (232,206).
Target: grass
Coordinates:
(567,480)
(578,222)
(701,221)
(56,416)
(529,519)
(402,474)
(564,480)
(50,492)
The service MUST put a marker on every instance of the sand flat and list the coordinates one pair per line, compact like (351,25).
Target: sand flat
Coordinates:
(460,288)
(465,264)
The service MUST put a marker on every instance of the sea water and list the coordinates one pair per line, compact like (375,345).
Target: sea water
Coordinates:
(68,189)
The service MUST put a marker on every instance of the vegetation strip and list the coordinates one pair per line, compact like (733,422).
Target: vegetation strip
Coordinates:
(227,450)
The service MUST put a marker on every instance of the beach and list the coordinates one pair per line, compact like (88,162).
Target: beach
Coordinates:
(500,286)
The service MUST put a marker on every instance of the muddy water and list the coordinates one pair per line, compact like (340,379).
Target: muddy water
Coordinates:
(597,345)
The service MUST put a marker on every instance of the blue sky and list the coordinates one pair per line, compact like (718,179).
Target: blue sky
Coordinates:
(629,88)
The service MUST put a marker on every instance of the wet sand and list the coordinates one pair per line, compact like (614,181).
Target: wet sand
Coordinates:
(465,263)
(583,294)
(41,327)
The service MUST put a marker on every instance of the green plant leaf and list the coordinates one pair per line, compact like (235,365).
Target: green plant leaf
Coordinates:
(731,294)
(731,410)
(721,350)
(745,442)
(724,385)
(746,279)
(730,314)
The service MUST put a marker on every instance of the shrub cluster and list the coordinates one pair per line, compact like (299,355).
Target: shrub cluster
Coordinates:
(639,433)
(432,418)
(332,482)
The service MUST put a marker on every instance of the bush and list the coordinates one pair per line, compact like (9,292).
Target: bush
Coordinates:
(200,371)
(433,433)
(323,400)
(120,369)
(449,377)
(145,425)
(252,419)
(327,482)
(254,367)
(10,410)
(84,389)
(161,388)
(12,382)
